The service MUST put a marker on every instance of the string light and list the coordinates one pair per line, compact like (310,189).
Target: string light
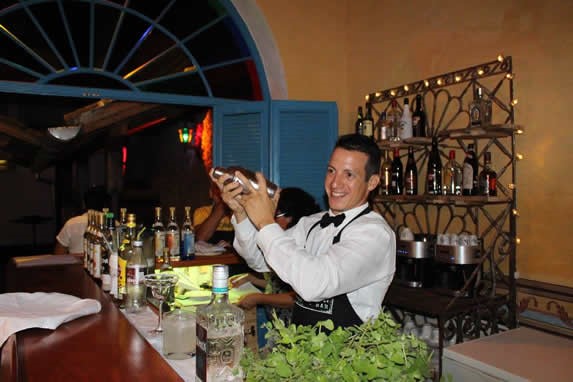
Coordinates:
(392,93)
(439,81)
(500,58)
(514,102)
(517,240)
(367,97)
(480,72)
(378,94)
(509,76)
(426,83)
(458,78)
(511,186)
(519,156)
(515,212)
(519,131)
(406,88)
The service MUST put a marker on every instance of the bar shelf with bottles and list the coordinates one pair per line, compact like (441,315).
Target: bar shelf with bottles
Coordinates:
(467,111)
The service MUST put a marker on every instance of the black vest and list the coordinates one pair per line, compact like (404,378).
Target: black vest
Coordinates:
(337,309)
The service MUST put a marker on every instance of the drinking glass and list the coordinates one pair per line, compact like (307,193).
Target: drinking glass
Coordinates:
(161,285)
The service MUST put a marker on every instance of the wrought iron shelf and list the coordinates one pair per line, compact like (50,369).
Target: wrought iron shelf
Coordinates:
(443,199)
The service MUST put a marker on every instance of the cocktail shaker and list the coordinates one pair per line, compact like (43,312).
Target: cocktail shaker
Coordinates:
(219,171)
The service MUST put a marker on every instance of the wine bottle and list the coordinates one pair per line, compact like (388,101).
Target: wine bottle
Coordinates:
(419,118)
(172,236)
(488,178)
(452,176)
(385,174)
(158,236)
(434,173)
(368,122)
(406,121)
(358,125)
(220,332)
(411,174)
(470,172)
(397,177)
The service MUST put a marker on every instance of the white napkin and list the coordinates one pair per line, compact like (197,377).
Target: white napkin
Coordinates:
(19,311)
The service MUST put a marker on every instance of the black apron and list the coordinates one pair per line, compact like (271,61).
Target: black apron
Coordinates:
(337,309)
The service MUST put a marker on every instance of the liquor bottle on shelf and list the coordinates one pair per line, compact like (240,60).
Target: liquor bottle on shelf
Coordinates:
(470,172)
(219,331)
(97,242)
(452,176)
(385,174)
(104,255)
(406,121)
(135,272)
(419,118)
(124,254)
(187,236)
(121,227)
(111,240)
(368,122)
(487,178)
(382,128)
(397,177)
(434,173)
(480,109)
(358,125)
(86,242)
(393,116)
(172,236)
(158,236)
(411,174)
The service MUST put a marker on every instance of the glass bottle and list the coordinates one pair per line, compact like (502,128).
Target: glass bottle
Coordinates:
(419,118)
(488,178)
(158,236)
(124,254)
(97,242)
(121,227)
(470,172)
(358,126)
(397,174)
(480,109)
(111,239)
(434,173)
(105,254)
(368,122)
(135,280)
(219,171)
(406,121)
(393,116)
(187,236)
(452,176)
(411,174)
(385,174)
(86,241)
(220,335)
(172,235)
(382,128)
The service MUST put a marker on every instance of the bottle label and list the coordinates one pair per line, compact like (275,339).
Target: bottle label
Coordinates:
(368,128)
(188,243)
(122,263)
(158,243)
(135,274)
(96,259)
(467,177)
(172,242)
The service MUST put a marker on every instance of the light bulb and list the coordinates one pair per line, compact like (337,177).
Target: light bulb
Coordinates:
(426,83)
(367,97)
(500,58)
(517,240)
(519,131)
(509,76)
(439,81)
(392,93)
(378,94)
(519,156)
(511,186)
(458,78)
(514,102)
(480,72)
(406,88)
(515,212)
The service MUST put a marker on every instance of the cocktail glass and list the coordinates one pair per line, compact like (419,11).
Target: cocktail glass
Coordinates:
(161,285)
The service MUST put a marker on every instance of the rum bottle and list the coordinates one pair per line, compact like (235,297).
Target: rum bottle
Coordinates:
(397,177)
(487,178)
(452,176)
(220,333)
(411,174)
(172,236)
(434,173)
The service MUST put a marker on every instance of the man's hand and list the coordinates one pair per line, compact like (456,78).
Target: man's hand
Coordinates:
(230,192)
(256,202)
(249,301)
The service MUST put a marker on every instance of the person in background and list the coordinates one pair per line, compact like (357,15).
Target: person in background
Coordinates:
(212,223)
(339,263)
(293,204)
(71,236)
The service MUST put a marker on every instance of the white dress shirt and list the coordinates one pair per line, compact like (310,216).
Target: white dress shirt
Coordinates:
(362,264)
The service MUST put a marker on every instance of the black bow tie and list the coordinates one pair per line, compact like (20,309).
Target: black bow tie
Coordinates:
(327,219)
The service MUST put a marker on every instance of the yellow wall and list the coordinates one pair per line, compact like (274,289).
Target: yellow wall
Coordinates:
(341,50)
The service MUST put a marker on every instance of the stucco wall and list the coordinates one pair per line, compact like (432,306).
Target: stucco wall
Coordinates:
(341,50)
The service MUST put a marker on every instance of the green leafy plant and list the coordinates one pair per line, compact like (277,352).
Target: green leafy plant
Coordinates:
(373,351)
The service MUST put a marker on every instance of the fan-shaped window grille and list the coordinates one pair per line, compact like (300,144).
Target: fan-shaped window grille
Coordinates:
(182,47)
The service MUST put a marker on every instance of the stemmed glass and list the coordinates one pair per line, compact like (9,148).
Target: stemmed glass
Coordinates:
(161,285)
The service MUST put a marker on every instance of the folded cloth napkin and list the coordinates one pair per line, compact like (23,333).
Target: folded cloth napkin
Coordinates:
(19,311)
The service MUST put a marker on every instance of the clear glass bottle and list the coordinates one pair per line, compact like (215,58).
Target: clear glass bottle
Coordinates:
(135,280)
(158,236)
(172,236)
(411,174)
(104,255)
(385,174)
(111,239)
(187,236)
(452,176)
(488,178)
(470,170)
(121,227)
(97,242)
(358,126)
(397,174)
(419,118)
(368,122)
(382,128)
(406,121)
(480,109)
(393,117)
(220,332)
(86,241)
(124,255)
(434,173)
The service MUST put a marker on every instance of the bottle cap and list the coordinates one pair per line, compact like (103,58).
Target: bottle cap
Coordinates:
(220,278)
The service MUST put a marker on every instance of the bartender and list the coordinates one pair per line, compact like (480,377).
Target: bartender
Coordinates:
(340,263)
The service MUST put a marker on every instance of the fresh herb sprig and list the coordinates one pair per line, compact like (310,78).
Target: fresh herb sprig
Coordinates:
(373,351)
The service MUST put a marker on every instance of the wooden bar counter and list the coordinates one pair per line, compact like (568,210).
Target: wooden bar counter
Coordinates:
(98,347)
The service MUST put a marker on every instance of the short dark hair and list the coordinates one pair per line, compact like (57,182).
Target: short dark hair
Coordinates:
(364,144)
(296,203)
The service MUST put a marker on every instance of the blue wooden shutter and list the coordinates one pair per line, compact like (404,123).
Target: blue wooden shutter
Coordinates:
(241,135)
(303,134)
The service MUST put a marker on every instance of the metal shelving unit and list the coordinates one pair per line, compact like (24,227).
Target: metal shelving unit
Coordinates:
(493,219)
